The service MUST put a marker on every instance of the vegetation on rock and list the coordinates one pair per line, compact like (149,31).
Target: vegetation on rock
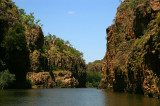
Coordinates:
(6,79)
(25,49)
(94,73)
(132,57)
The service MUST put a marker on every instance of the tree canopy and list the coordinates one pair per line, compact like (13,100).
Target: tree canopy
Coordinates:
(63,46)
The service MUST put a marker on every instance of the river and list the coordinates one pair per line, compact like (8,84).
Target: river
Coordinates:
(73,97)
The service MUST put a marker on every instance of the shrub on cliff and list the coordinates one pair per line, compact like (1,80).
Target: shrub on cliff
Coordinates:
(59,83)
(28,19)
(15,40)
(30,83)
(62,46)
(158,19)
(2,65)
(6,79)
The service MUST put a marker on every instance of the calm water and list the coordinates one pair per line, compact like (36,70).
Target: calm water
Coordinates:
(72,97)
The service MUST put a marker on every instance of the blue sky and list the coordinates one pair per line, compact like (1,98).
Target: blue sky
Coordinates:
(82,22)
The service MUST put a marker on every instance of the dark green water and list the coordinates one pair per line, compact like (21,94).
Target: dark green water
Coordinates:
(73,97)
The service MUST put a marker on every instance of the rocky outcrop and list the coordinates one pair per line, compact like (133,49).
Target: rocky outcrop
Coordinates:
(35,37)
(60,60)
(60,79)
(132,62)
(65,79)
(51,54)
(41,80)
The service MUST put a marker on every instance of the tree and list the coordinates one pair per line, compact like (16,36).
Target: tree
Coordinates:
(21,12)
(50,37)
(28,19)
(6,78)
(68,43)
(15,40)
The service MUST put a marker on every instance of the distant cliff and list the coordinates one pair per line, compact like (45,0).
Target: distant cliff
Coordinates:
(132,60)
(95,66)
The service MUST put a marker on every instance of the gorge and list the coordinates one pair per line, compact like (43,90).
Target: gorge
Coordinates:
(30,59)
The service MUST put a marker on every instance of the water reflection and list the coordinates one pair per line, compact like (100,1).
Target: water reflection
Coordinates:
(73,97)
(125,99)
(17,97)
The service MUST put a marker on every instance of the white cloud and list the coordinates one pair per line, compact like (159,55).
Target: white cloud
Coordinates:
(71,12)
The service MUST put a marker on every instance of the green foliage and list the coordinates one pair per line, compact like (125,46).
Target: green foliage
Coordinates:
(60,43)
(21,12)
(6,79)
(55,50)
(158,19)
(133,3)
(97,61)
(50,37)
(59,83)
(93,79)
(63,46)
(89,85)
(28,19)
(29,82)
(15,40)
(55,68)
(2,64)
(45,48)
(75,52)
(68,43)
(130,3)
(138,59)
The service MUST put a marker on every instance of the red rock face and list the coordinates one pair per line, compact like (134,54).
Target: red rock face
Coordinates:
(132,60)
(41,80)
(60,79)
(34,37)
(155,4)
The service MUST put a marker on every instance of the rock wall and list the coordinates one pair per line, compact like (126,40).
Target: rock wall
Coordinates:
(60,79)
(132,60)
(61,61)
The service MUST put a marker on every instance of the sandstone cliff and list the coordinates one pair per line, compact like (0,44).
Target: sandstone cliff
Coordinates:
(23,49)
(132,60)
(60,79)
